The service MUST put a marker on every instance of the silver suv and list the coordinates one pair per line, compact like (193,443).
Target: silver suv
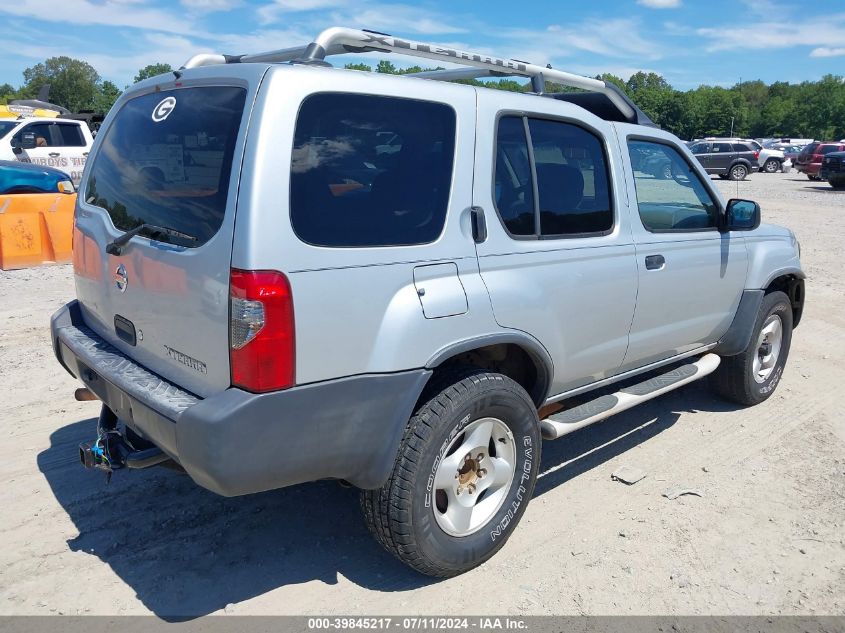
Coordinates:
(287,272)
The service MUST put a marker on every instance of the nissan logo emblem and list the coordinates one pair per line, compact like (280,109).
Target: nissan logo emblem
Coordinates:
(120,278)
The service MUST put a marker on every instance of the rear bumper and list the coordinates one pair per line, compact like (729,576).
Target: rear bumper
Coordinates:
(237,442)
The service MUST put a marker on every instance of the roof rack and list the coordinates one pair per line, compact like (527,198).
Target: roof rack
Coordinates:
(341,41)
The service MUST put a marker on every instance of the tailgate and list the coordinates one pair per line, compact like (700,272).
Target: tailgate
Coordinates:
(168,158)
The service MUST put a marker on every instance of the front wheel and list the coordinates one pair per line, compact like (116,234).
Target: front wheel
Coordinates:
(463,477)
(738,172)
(751,376)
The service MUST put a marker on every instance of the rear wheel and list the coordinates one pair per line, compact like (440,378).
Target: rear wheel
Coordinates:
(738,172)
(837,183)
(751,376)
(771,166)
(463,477)
(812,177)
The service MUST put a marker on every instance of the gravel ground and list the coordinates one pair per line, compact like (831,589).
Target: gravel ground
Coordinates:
(766,537)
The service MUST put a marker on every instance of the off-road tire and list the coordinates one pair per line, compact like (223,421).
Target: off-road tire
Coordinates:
(771,166)
(738,172)
(734,379)
(837,183)
(400,514)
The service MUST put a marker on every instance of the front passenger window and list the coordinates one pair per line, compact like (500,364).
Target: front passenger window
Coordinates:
(670,195)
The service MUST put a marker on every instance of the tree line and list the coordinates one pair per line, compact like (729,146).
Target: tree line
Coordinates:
(810,109)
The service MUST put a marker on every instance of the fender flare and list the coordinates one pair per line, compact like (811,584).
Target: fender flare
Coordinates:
(539,355)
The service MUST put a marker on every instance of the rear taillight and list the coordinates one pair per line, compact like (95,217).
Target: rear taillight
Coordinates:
(756,154)
(262,341)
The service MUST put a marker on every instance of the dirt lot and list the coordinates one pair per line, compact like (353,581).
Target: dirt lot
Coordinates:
(766,537)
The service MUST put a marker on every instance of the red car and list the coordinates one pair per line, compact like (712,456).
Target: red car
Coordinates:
(810,159)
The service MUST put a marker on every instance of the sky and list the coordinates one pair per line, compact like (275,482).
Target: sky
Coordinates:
(689,42)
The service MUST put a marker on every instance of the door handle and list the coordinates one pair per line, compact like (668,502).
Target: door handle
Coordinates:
(53,154)
(655,262)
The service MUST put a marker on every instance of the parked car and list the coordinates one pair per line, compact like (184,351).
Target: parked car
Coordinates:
(770,159)
(810,159)
(726,158)
(16,177)
(275,317)
(790,152)
(833,169)
(63,144)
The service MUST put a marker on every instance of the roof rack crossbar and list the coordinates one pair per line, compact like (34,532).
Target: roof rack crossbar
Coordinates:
(340,40)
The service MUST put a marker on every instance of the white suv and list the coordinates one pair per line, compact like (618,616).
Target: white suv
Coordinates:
(60,143)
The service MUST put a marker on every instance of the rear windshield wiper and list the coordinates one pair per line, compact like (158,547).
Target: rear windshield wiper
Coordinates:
(116,247)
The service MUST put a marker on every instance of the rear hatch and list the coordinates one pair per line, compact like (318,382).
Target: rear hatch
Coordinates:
(806,154)
(168,158)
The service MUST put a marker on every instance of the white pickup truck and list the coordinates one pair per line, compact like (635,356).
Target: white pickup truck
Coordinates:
(60,143)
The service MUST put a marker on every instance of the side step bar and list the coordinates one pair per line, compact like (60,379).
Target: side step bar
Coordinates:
(603,407)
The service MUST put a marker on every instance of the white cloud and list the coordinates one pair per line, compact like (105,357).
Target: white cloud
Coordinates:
(109,13)
(208,6)
(620,39)
(399,18)
(824,51)
(272,12)
(827,32)
(660,4)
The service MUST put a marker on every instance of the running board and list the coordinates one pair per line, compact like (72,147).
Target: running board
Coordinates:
(603,407)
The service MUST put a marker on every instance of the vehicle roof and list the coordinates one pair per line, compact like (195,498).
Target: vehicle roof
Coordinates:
(40,119)
(14,164)
(594,103)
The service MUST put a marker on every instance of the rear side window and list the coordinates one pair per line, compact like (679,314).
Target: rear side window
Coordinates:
(70,135)
(827,149)
(167,160)
(739,147)
(371,171)
(565,164)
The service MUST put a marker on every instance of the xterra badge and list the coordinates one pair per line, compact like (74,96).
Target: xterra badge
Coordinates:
(164,108)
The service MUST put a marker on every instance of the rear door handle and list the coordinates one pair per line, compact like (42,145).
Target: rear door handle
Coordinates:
(655,262)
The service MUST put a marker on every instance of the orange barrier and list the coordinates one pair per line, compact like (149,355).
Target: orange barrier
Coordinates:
(35,228)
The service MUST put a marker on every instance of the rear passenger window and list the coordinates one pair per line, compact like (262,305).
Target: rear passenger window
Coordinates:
(71,135)
(739,147)
(371,171)
(670,196)
(566,164)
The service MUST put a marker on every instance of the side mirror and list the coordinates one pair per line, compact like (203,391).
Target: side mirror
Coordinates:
(17,149)
(28,141)
(742,215)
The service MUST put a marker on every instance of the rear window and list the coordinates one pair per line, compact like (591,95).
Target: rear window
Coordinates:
(371,171)
(810,149)
(167,160)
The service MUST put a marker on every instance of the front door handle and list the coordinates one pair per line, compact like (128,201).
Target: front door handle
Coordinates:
(53,154)
(655,262)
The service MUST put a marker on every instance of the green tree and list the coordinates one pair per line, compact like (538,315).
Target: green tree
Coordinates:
(152,70)
(362,67)
(7,93)
(386,67)
(73,83)
(108,94)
